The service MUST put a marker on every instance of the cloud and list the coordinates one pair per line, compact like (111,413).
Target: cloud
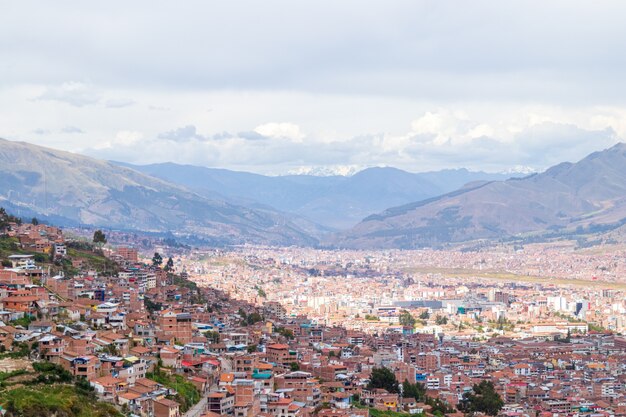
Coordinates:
(118,103)
(437,139)
(182,134)
(71,129)
(73,93)
(251,135)
(280,130)
(40,131)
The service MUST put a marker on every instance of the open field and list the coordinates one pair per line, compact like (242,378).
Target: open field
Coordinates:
(509,277)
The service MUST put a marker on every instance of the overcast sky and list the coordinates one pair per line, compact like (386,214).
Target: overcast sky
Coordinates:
(275,86)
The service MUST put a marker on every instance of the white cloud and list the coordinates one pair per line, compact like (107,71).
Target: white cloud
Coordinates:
(118,103)
(281,130)
(419,85)
(73,93)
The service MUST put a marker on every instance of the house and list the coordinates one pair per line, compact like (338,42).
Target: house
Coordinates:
(165,408)
(108,387)
(221,402)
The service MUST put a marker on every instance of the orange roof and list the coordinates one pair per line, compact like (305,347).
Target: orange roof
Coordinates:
(226,377)
(129,395)
(278,346)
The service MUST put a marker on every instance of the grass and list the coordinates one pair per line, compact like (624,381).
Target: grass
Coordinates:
(509,277)
(188,395)
(379,413)
(54,400)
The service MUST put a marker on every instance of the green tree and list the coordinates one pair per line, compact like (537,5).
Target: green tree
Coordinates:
(213,336)
(169,265)
(34,221)
(383,378)
(157,259)
(406,319)
(416,391)
(424,315)
(99,238)
(441,320)
(294,366)
(483,398)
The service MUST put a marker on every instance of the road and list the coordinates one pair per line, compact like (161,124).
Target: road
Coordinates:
(200,407)
(197,409)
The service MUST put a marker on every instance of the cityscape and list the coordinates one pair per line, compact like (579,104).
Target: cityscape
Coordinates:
(312,209)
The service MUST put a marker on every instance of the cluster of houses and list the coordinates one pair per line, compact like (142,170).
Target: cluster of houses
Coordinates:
(136,335)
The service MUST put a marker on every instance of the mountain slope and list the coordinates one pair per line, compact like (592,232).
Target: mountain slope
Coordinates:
(335,201)
(74,189)
(566,196)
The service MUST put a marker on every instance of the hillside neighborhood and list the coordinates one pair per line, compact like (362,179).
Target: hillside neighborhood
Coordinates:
(149,341)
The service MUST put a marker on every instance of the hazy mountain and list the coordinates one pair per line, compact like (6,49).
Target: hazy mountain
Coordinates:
(73,189)
(588,195)
(335,201)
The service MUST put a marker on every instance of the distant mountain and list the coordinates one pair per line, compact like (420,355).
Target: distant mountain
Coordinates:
(338,202)
(586,196)
(71,189)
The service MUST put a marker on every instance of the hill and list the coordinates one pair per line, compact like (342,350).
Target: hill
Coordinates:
(569,198)
(70,189)
(337,202)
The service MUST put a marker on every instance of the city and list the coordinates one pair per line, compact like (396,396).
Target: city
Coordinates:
(278,332)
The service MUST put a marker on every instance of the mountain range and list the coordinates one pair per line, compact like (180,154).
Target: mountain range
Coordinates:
(335,202)
(587,196)
(71,189)
(223,207)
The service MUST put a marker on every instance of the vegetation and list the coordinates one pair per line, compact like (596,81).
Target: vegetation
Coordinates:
(482,399)
(441,320)
(152,306)
(406,319)
(54,400)
(383,378)
(51,392)
(249,319)
(371,318)
(169,265)
(416,391)
(99,238)
(187,393)
(213,336)
(20,350)
(373,412)
(6,218)
(157,259)
(294,366)
(284,332)
(22,321)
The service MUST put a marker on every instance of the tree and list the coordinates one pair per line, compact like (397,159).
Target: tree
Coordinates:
(294,366)
(416,391)
(406,319)
(157,259)
(383,378)
(441,320)
(34,221)
(483,398)
(99,238)
(424,315)
(213,336)
(169,265)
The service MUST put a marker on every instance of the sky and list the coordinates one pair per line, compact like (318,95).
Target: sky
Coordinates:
(276,87)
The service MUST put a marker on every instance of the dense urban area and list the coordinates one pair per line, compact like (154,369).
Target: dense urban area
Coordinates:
(95,328)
